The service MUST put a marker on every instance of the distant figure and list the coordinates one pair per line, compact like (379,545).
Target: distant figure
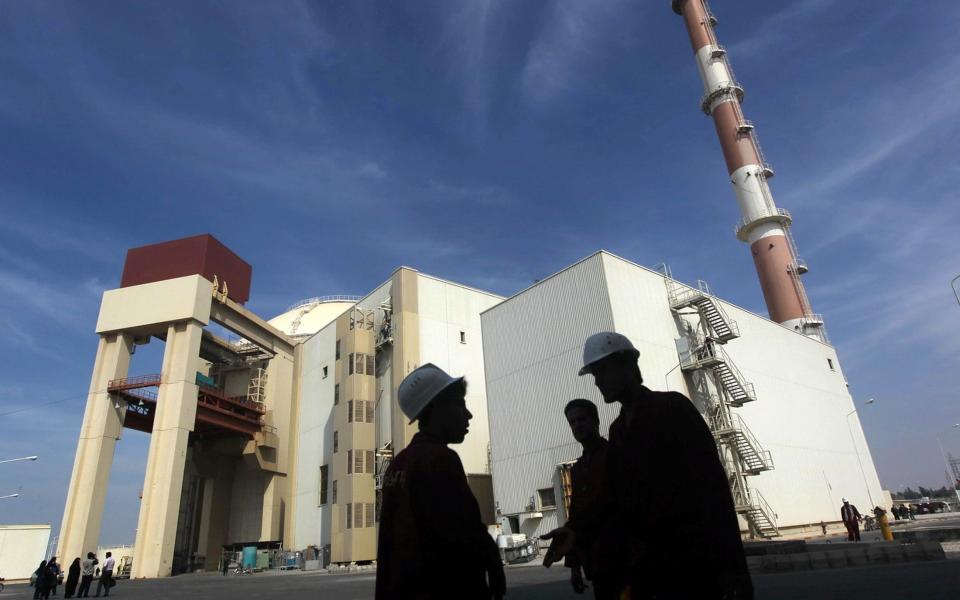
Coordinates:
(851,520)
(41,587)
(54,567)
(73,578)
(225,566)
(896,512)
(587,483)
(667,528)
(87,567)
(912,512)
(823,527)
(106,576)
(433,543)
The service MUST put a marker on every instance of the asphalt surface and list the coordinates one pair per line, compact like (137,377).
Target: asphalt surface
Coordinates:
(927,580)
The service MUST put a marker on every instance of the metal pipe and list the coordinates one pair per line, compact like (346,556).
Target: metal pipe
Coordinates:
(856,449)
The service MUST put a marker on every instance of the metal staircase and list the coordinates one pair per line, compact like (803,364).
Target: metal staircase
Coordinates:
(710,355)
(721,326)
(701,349)
(731,428)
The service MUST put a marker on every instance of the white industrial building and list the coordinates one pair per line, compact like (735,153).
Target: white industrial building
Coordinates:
(22,547)
(776,400)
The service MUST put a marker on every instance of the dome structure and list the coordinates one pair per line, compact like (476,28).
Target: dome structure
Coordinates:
(313,314)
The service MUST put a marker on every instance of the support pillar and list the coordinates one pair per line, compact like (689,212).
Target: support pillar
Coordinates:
(163,483)
(102,423)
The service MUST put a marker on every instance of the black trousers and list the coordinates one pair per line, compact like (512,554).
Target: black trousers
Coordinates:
(84,589)
(106,580)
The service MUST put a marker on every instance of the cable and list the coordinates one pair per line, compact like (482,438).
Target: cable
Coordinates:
(26,408)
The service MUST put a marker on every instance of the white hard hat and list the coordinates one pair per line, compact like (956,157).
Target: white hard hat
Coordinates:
(421,386)
(601,345)
(844,500)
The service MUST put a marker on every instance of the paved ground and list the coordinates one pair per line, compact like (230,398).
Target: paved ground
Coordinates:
(929,581)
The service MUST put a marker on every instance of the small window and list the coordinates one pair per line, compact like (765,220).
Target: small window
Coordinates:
(371,368)
(368,510)
(333,492)
(358,515)
(358,461)
(350,364)
(369,415)
(336,440)
(463,337)
(323,486)
(359,405)
(830,364)
(349,462)
(349,411)
(336,393)
(324,372)
(547,497)
(337,353)
(349,515)
(370,461)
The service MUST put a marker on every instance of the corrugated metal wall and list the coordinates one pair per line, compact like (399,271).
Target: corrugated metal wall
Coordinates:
(533,346)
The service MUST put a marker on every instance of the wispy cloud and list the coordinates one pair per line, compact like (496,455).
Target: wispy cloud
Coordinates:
(573,36)
(777,27)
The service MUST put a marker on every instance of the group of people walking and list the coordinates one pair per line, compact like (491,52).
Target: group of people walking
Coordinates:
(646,504)
(80,573)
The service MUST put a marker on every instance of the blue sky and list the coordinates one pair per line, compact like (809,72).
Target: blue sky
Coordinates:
(490,143)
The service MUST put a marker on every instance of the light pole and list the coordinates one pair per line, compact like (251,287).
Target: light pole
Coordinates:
(953,286)
(944,455)
(21,458)
(857,450)
(9,496)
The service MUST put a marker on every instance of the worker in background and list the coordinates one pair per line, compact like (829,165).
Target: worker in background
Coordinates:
(433,543)
(586,482)
(87,568)
(668,527)
(106,576)
(851,520)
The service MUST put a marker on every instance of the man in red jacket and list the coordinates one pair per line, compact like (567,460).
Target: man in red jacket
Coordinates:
(667,527)
(433,543)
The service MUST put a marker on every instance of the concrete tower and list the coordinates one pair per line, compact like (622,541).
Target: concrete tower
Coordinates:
(762,225)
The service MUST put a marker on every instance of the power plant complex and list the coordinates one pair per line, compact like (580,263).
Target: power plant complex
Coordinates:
(271,435)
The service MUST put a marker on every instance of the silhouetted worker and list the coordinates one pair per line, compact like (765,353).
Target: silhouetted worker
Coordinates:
(587,483)
(668,527)
(87,568)
(73,578)
(433,543)
(851,520)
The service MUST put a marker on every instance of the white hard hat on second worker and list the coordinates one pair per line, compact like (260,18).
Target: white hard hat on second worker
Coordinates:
(601,345)
(421,386)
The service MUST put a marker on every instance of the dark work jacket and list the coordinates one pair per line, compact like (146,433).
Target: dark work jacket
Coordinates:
(586,479)
(433,544)
(667,525)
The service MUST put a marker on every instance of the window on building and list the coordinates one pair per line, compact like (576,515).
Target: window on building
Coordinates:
(369,415)
(349,462)
(324,372)
(337,351)
(336,393)
(358,461)
(371,368)
(368,510)
(360,363)
(370,461)
(830,364)
(548,498)
(463,337)
(349,515)
(359,405)
(323,486)
(333,492)
(336,441)
(358,515)
(350,364)
(349,411)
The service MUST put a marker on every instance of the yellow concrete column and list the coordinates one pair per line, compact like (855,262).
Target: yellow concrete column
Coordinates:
(102,423)
(174,420)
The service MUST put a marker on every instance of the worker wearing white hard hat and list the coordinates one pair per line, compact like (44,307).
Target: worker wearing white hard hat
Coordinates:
(665,492)
(433,543)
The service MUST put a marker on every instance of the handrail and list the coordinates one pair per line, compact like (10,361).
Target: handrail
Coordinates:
(768,212)
(322,299)
(134,382)
(764,455)
(761,503)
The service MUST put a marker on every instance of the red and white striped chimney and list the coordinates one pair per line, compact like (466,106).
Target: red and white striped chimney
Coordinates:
(764,226)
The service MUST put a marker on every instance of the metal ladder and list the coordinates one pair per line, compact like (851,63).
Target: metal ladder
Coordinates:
(721,325)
